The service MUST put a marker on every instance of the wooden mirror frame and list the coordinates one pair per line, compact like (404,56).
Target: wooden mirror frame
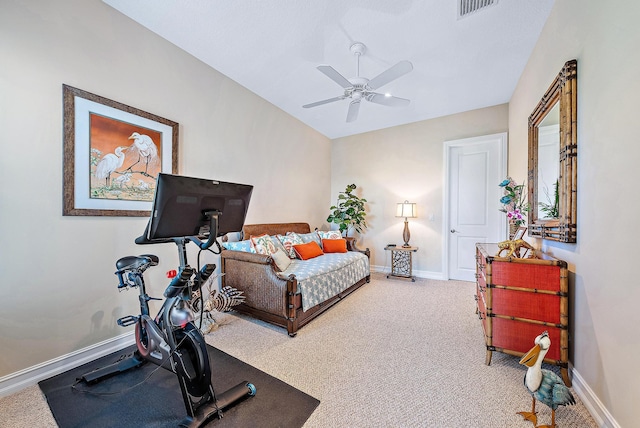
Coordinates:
(564,91)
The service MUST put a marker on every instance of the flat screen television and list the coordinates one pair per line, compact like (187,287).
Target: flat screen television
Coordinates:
(180,204)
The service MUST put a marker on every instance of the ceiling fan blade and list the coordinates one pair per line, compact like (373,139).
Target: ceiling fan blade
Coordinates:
(332,74)
(354,108)
(400,69)
(387,100)
(319,103)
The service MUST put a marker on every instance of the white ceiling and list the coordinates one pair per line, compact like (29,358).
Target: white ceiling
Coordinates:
(273,47)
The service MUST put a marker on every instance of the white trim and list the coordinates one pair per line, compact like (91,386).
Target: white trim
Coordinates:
(19,380)
(448,146)
(598,411)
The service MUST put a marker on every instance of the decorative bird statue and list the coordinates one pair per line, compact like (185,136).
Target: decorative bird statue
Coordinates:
(543,385)
(146,148)
(109,163)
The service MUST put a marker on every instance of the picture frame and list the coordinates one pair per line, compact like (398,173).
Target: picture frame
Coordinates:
(112,155)
(520,232)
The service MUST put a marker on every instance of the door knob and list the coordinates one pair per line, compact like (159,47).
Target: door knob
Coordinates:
(454,231)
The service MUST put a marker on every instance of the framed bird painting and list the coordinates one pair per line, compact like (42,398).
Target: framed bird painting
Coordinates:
(113,154)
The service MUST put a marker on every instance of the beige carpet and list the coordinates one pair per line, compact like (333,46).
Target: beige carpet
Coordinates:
(394,354)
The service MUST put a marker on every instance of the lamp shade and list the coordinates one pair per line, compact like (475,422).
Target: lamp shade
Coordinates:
(406,209)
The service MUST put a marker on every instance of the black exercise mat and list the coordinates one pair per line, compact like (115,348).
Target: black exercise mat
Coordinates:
(158,402)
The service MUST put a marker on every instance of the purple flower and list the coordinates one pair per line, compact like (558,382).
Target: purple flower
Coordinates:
(515,214)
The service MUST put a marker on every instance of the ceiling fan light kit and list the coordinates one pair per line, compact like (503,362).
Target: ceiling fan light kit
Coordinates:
(359,88)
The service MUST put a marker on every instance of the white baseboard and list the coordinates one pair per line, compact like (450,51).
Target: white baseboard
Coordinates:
(598,411)
(418,273)
(19,380)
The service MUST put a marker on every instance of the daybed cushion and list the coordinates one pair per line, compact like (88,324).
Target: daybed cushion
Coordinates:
(323,277)
(329,234)
(281,259)
(288,241)
(308,237)
(264,244)
(334,245)
(239,246)
(307,251)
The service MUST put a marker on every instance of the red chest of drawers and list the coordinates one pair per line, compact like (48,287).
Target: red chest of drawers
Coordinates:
(519,298)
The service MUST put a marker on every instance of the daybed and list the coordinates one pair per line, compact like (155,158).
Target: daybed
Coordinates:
(301,292)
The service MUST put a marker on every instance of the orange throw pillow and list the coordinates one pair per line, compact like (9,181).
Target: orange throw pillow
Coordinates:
(334,245)
(308,251)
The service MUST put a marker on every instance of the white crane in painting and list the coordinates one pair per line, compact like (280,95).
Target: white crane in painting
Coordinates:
(109,163)
(146,148)
(121,180)
(143,185)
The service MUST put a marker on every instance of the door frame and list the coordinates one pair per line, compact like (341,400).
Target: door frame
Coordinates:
(448,147)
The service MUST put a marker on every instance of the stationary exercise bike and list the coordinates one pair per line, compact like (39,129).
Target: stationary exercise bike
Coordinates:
(171,340)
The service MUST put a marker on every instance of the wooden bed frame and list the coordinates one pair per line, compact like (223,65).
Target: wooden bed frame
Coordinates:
(267,296)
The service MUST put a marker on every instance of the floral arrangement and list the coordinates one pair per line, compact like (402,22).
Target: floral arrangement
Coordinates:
(514,202)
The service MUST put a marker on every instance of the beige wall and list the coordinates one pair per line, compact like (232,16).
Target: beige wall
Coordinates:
(406,163)
(58,289)
(604,38)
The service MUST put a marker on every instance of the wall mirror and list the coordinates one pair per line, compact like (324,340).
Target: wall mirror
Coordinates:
(553,165)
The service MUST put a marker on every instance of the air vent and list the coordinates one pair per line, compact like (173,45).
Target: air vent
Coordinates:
(467,7)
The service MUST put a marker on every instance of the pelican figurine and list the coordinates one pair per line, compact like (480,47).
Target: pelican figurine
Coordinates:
(543,385)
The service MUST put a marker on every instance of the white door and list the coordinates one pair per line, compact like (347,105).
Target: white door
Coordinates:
(474,168)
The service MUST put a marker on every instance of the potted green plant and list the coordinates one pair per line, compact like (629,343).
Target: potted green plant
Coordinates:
(348,212)
(551,209)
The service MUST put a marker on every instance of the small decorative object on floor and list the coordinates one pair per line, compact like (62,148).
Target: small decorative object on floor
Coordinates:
(543,385)
(513,248)
(218,302)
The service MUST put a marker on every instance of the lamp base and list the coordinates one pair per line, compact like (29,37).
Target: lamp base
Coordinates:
(406,235)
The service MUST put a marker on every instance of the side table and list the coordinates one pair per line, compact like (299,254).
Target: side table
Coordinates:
(401,261)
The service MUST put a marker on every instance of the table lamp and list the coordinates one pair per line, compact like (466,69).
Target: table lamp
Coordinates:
(407,210)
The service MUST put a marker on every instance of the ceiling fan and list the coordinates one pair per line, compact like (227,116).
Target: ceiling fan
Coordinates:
(360,88)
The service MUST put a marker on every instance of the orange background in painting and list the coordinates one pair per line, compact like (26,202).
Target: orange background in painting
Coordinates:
(106,134)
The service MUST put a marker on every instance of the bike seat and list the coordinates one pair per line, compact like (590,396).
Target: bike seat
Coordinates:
(136,262)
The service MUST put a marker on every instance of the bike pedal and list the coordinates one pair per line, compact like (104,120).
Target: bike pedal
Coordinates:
(127,321)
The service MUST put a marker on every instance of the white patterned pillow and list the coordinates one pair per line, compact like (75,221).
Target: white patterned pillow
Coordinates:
(263,244)
(281,260)
(288,241)
(278,244)
(331,234)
